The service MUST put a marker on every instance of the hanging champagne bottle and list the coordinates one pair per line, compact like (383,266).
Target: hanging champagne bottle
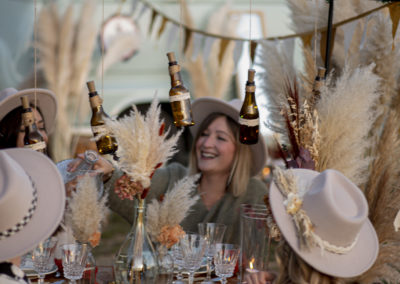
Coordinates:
(249,120)
(106,144)
(32,139)
(179,96)
(318,83)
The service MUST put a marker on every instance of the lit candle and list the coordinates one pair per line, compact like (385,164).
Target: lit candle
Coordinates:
(251,268)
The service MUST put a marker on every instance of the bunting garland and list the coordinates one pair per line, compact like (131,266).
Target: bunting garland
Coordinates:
(203,41)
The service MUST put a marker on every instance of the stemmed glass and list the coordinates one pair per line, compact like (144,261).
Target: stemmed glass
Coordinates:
(213,233)
(193,248)
(225,258)
(74,258)
(178,261)
(42,257)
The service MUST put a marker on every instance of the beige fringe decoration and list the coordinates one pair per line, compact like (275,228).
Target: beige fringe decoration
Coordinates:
(65,51)
(142,144)
(86,211)
(173,208)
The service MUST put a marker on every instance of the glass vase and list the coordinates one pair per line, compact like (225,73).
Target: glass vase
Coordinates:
(136,261)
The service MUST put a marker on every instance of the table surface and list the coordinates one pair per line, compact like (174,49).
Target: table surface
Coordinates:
(105,275)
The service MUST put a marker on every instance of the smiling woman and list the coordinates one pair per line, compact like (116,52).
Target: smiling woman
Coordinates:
(227,170)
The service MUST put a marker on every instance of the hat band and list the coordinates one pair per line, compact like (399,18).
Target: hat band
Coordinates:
(288,187)
(25,220)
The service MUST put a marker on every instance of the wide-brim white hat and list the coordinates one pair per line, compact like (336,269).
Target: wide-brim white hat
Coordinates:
(32,200)
(203,107)
(46,101)
(338,211)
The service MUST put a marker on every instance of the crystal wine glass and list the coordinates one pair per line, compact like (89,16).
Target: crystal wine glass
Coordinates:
(178,261)
(74,258)
(213,233)
(225,258)
(193,248)
(43,257)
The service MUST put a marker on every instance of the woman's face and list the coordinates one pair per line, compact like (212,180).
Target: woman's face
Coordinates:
(215,148)
(40,125)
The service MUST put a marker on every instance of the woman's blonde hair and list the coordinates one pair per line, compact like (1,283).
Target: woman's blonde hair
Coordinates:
(292,269)
(241,168)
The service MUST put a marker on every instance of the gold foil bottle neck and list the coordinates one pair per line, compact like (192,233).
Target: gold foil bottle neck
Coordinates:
(91,86)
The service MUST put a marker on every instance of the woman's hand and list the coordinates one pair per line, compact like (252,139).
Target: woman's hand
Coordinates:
(260,277)
(102,165)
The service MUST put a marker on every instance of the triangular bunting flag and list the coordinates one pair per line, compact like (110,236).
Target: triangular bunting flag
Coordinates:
(253,47)
(162,27)
(323,44)
(237,52)
(395,16)
(348,31)
(207,47)
(188,35)
(222,47)
(306,39)
(152,20)
(173,32)
(197,44)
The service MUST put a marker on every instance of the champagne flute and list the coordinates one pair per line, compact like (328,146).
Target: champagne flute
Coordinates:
(225,259)
(42,257)
(213,234)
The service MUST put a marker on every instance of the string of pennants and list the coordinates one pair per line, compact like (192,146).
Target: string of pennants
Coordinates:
(203,41)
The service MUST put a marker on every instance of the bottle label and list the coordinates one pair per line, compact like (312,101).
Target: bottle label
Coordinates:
(181,97)
(37,146)
(27,118)
(174,68)
(99,129)
(249,122)
(250,89)
(95,101)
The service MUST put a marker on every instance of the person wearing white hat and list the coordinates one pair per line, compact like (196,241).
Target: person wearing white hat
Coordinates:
(228,169)
(44,106)
(32,201)
(323,219)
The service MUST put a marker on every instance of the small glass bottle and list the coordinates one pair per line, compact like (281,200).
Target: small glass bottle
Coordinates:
(249,119)
(179,95)
(90,157)
(106,144)
(32,139)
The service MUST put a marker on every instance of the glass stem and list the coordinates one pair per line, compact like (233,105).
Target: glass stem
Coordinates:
(41,279)
(209,263)
(191,277)
(179,276)
(223,280)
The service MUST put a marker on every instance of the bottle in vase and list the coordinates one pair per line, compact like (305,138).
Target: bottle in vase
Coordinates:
(106,144)
(179,95)
(32,139)
(249,119)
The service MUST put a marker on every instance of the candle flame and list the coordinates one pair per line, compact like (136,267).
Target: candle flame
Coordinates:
(251,263)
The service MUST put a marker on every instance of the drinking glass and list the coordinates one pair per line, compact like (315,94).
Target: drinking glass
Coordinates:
(193,248)
(178,262)
(213,233)
(225,258)
(74,258)
(43,257)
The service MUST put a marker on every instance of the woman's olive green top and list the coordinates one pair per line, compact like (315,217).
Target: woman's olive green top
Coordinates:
(226,210)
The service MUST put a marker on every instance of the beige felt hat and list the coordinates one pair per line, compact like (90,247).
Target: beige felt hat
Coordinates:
(338,211)
(32,200)
(203,107)
(45,100)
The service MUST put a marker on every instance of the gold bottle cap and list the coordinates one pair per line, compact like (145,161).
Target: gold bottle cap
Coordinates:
(91,87)
(321,72)
(171,56)
(250,76)
(25,102)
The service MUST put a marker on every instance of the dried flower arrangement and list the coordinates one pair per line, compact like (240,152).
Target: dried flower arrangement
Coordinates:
(143,147)
(164,217)
(353,126)
(86,211)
